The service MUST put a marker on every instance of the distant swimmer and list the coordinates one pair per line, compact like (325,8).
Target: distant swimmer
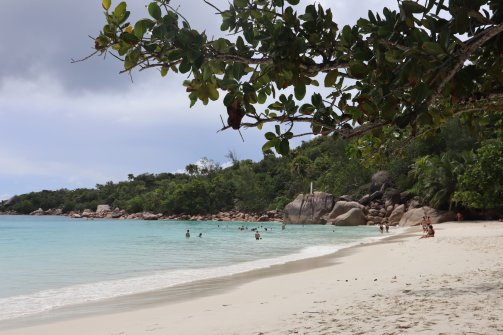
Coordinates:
(283,226)
(257,235)
(200,235)
(187,234)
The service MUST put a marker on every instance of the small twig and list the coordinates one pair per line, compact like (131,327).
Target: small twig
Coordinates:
(212,5)
(221,118)
(239,131)
(73,61)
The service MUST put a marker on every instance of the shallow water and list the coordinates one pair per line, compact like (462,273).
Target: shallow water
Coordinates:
(48,262)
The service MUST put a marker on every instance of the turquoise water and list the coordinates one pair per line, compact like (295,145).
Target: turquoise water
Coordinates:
(48,262)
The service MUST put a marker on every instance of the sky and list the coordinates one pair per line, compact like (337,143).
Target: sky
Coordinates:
(65,125)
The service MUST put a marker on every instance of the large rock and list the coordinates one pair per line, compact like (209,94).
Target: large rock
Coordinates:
(103,208)
(392,196)
(365,200)
(39,211)
(342,207)
(415,203)
(396,215)
(376,195)
(150,216)
(309,208)
(345,197)
(414,216)
(354,217)
(380,180)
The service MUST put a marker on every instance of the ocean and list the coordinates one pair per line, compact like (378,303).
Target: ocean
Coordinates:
(49,262)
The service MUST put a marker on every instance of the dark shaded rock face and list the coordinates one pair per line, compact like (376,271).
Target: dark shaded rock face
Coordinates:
(365,200)
(392,196)
(309,208)
(380,180)
(376,195)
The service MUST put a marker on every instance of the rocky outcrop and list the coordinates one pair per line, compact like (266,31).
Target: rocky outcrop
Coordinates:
(39,211)
(391,197)
(354,217)
(365,200)
(396,215)
(414,216)
(268,216)
(342,207)
(150,216)
(380,181)
(103,208)
(309,208)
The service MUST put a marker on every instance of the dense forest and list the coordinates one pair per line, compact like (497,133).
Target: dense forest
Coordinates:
(452,167)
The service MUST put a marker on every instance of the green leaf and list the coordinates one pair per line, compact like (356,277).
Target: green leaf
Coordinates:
(347,37)
(262,97)
(270,136)
(306,109)
(433,48)
(106,4)
(129,38)
(300,90)
(284,147)
(420,93)
(358,70)
(268,145)
(240,3)
(413,7)
(120,11)
(213,92)
(184,66)
(154,10)
(142,26)
(330,78)
(393,56)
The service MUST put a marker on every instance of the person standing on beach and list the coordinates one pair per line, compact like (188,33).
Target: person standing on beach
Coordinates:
(187,234)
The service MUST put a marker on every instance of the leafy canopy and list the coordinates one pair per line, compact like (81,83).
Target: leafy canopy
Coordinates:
(415,67)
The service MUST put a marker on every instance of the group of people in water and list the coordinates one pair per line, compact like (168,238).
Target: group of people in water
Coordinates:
(384,226)
(187,234)
(243,227)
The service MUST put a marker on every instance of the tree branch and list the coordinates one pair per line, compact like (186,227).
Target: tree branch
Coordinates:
(471,46)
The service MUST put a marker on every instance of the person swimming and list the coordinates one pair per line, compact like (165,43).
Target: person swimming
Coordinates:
(187,234)
(257,235)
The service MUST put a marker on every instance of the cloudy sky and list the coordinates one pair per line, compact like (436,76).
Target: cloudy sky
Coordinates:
(66,125)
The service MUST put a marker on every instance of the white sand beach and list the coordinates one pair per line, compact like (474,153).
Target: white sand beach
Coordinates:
(449,284)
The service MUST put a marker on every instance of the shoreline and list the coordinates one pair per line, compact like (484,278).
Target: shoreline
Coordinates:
(192,290)
(398,284)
